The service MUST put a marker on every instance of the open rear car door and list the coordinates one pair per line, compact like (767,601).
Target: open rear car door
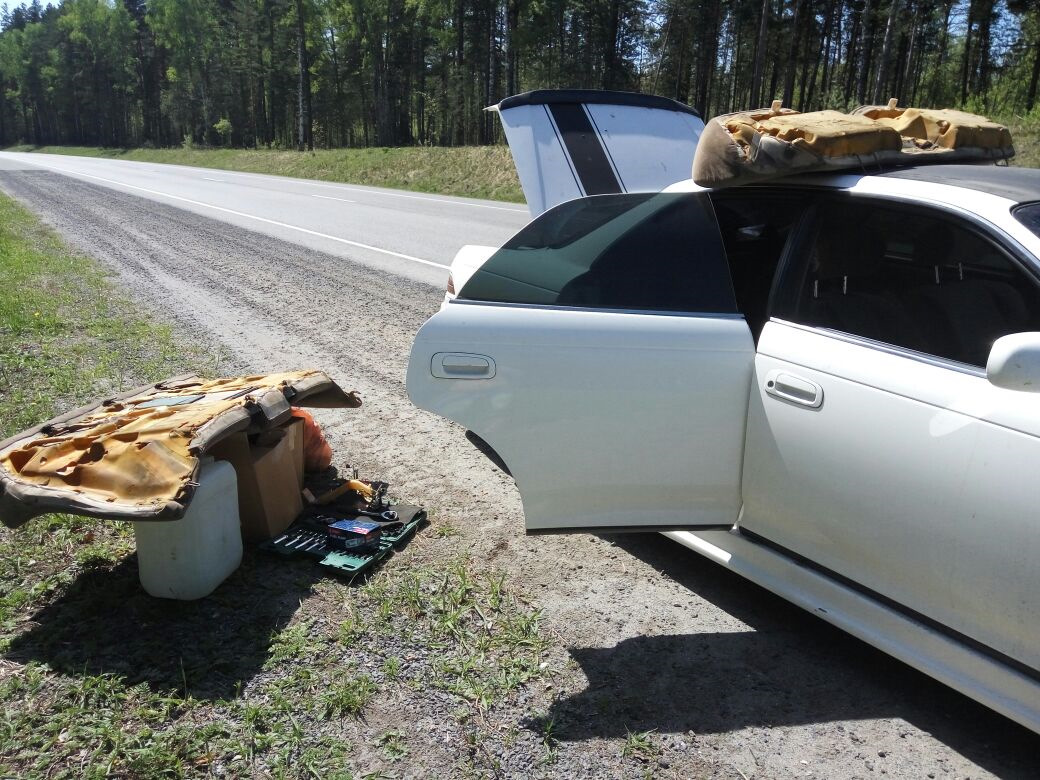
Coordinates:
(600,355)
(570,143)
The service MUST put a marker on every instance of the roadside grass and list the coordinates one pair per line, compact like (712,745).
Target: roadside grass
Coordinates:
(280,673)
(1026,134)
(442,633)
(467,171)
(639,746)
(64,336)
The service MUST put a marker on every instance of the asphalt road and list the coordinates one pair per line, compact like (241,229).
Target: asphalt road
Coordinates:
(409,234)
(729,680)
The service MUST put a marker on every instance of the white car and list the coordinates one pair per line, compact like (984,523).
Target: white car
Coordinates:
(827,384)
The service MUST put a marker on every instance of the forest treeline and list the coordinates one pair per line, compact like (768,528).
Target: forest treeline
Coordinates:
(327,73)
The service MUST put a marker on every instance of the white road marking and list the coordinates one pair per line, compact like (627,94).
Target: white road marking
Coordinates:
(207,178)
(518,209)
(329,197)
(347,187)
(253,216)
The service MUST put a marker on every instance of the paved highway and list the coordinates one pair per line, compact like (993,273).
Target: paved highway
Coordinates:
(406,233)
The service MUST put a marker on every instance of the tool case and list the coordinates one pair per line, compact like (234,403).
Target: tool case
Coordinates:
(309,536)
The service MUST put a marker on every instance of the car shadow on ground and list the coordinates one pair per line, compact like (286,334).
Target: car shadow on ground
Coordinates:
(791,669)
(106,624)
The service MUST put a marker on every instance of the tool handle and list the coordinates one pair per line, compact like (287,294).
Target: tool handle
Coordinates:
(351,484)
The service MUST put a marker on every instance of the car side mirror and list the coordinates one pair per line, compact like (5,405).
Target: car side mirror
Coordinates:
(1014,362)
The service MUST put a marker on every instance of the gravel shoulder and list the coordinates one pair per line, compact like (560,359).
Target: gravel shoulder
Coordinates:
(651,643)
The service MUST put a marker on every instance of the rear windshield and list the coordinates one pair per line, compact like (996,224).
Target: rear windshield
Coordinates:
(649,251)
(1029,215)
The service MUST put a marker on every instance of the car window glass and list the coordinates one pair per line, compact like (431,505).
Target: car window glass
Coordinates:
(912,280)
(1029,215)
(636,251)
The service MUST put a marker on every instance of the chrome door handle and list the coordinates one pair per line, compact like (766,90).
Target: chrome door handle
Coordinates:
(795,389)
(462,365)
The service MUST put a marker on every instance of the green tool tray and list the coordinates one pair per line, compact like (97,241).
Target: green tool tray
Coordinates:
(309,537)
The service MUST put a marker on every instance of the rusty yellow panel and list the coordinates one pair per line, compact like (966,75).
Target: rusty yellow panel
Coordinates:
(137,456)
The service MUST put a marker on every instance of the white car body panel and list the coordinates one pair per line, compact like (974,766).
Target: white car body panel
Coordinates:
(842,485)
(545,172)
(467,260)
(603,395)
(605,150)
(627,132)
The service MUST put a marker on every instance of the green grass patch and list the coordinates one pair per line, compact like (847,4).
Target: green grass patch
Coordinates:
(394,746)
(347,697)
(65,336)
(489,643)
(467,171)
(639,746)
(1026,134)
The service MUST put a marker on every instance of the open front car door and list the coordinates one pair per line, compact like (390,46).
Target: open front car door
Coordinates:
(600,355)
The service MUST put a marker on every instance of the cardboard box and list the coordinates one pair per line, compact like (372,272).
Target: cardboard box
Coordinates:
(268,484)
(294,428)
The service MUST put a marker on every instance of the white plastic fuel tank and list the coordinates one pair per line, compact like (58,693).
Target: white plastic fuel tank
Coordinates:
(187,559)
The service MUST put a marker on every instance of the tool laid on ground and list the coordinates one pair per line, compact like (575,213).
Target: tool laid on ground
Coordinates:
(354,535)
(387,515)
(349,526)
(364,490)
(309,536)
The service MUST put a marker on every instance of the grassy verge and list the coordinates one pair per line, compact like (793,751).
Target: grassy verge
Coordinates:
(135,701)
(472,171)
(1026,132)
(281,672)
(468,171)
(64,336)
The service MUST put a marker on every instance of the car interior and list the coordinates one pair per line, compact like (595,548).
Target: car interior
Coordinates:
(914,281)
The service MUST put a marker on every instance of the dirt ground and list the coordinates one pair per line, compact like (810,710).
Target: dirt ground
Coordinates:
(662,665)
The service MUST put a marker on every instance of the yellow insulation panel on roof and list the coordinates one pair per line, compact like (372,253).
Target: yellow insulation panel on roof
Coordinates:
(832,134)
(768,143)
(945,128)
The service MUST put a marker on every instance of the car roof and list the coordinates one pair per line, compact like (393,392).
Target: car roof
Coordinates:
(1019,185)
(1016,184)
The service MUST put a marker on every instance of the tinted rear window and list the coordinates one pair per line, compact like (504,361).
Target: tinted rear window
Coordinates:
(1029,215)
(637,251)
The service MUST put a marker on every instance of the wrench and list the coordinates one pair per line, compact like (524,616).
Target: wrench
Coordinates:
(389,516)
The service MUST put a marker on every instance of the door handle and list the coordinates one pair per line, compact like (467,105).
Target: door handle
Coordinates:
(462,365)
(794,389)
